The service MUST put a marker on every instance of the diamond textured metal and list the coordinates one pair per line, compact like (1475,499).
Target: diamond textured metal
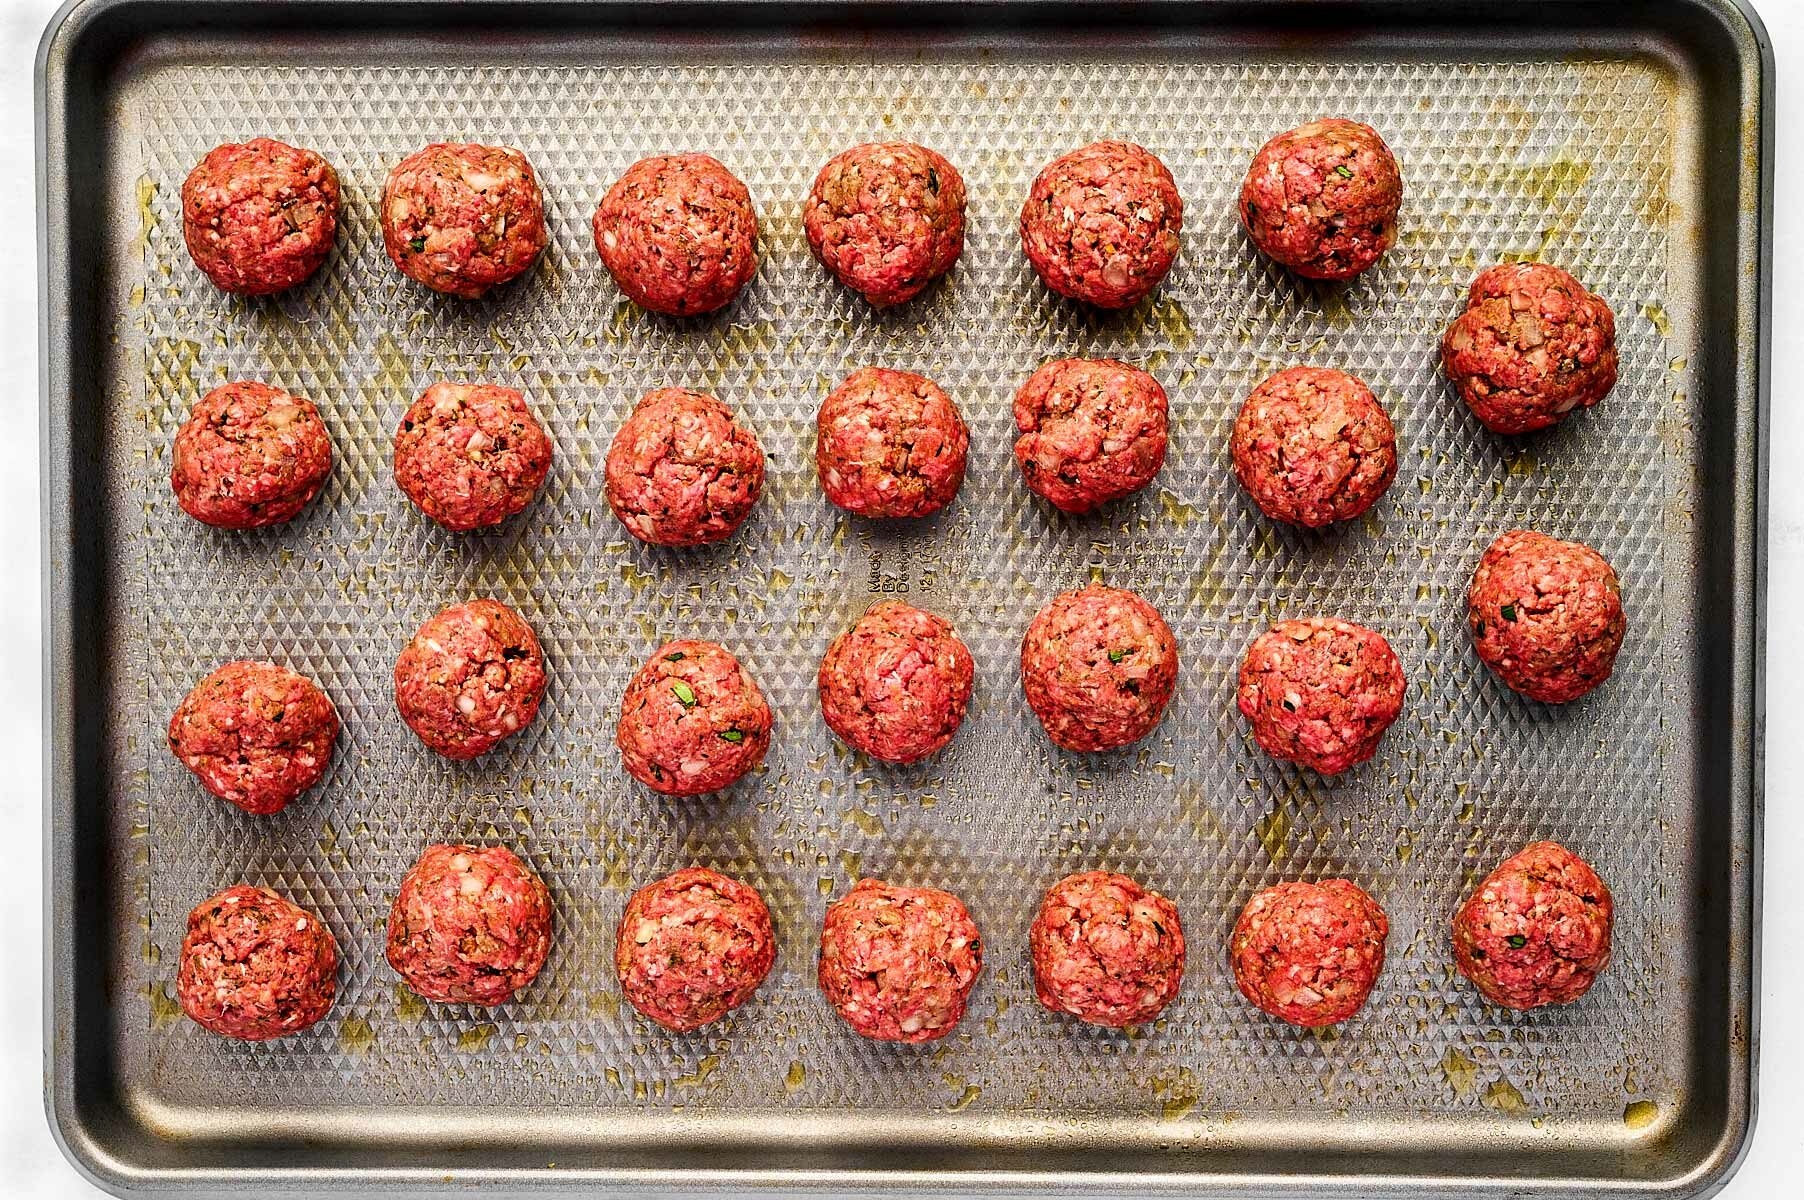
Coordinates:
(1565,160)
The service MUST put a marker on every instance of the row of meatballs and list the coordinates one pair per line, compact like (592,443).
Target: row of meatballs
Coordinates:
(1311,446)
(1100,225)
(472,925)
(678,232)
(1099,665)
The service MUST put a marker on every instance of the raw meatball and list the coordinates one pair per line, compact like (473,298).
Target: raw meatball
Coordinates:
(1101,224)
(677,233)
(1312,446)
(683,471)
(255,734)
(1099,666)
(1537,930)
(898,963)
(249,455)
(1545,615)
(1092,430)
(692,721)
(470,925)
(1322,198)
(1532,346)
(473,675)
(887,218)
(463,218)
(1106,950)
(256,966)
(692,947)
(1321,692)
(1309,953)
(896,684)
(470,455)
(890,444)
(261,216)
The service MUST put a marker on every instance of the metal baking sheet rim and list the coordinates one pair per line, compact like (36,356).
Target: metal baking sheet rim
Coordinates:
(82,1124)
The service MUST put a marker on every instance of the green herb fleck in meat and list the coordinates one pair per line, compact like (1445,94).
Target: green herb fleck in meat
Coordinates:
(732,735)
(679,656)
(1516,941)
(684,693)
(1116,656)
(1344,171)
(418,244)
(1507,612)
(933,181)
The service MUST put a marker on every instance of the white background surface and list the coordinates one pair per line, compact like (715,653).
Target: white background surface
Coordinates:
(29,1159)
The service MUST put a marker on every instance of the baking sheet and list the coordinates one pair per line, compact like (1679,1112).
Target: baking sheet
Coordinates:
(1588,161)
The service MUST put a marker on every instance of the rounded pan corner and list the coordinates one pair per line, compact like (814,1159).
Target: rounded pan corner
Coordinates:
(1740,21)
(65,29)
(1722,1159)
(82,1147)
(1755,28)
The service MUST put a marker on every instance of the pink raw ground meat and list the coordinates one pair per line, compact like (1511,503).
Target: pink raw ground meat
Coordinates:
(1532,347)
(470,925)
(256,965)
(1101,224)
(692,720)
(1322,198)
(692,947)
(1106,950)
(1321,692)
(1537,930)
(1309,953)
(898,963)
(896,684)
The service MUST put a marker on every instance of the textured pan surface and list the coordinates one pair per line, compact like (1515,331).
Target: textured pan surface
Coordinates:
(1586,161)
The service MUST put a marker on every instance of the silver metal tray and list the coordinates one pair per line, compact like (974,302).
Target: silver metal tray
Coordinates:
(1626,142)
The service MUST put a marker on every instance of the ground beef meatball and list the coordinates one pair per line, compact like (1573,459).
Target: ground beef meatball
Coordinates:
(898,963)
(896,684)
(260,217)
(1537,930)
(692,720)
(890,444)
(1545,615)
(683,471)
(1099,666)
(1321,692)
(249,455)
(473,675)
(1092,431)
(887,218)
(1322,198)
(1309,953)
(255,734)
(463,218)
(1106,950)
(470,455)
(677,233)
(1532,346)
(470,925)
(1101,224)
(256,965)
(692,947)
(1312,446)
